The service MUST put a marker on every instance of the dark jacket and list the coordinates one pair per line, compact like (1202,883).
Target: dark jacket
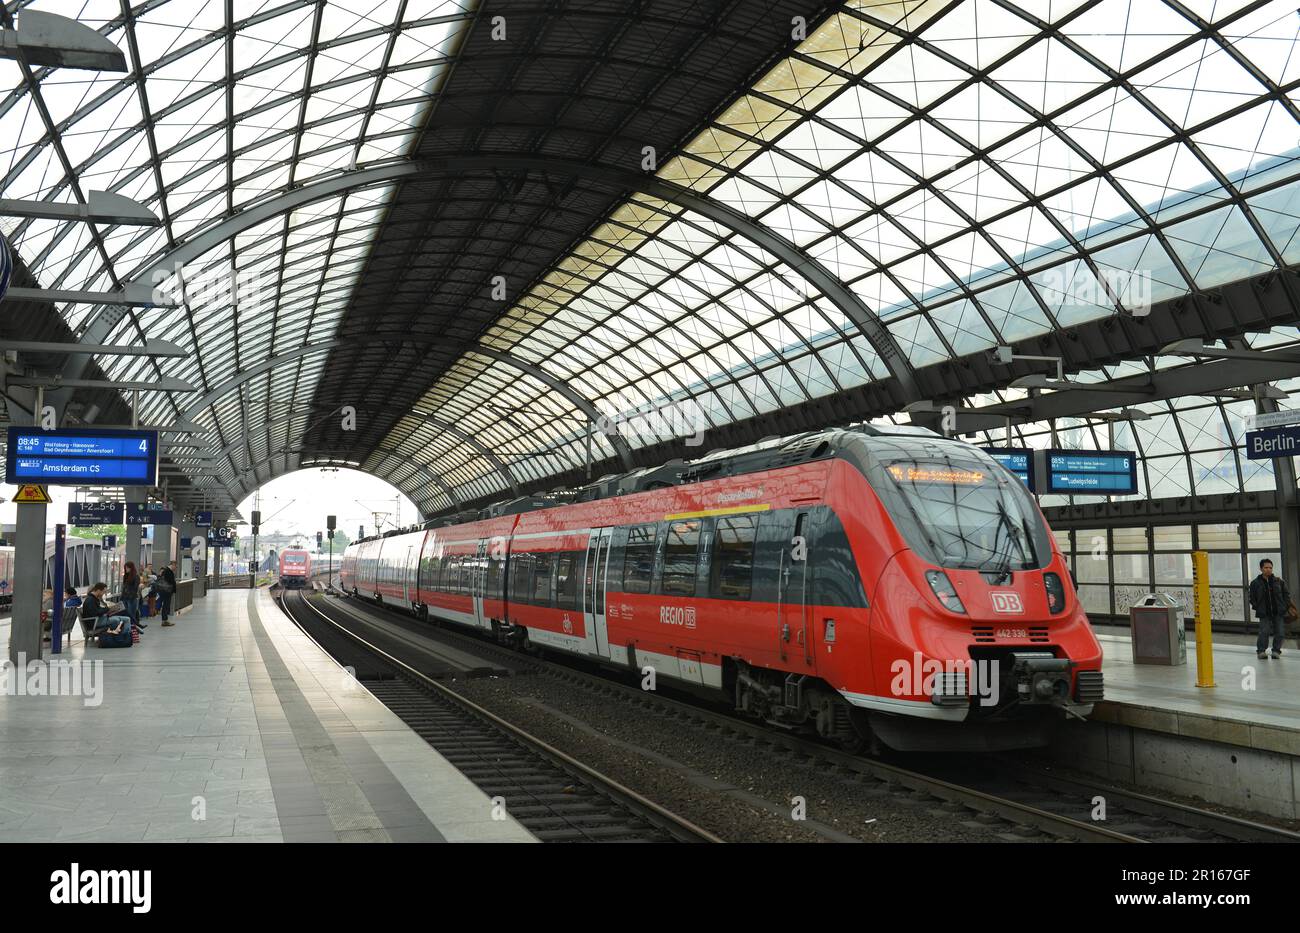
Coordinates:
(1269,597)
(167,580)
(131,586)
(98,612)
(93,607)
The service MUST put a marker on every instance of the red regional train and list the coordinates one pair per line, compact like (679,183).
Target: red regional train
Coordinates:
(295,567)
(871,584)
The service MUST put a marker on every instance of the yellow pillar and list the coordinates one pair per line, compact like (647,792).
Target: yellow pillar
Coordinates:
(1201,600)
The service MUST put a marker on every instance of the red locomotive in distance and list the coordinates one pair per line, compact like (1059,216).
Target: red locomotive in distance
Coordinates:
(295,567)
(866,584)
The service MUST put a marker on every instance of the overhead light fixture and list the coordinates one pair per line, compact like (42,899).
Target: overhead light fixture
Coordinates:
(1124,414)
(57,41)
(156,348)
(1266,391)
(1005,355)
(162,384)
(1197,348)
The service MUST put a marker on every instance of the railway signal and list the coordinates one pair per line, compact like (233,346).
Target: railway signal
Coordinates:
(330,522)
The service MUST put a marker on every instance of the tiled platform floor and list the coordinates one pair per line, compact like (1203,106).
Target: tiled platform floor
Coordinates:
(229,727)
(1254,703)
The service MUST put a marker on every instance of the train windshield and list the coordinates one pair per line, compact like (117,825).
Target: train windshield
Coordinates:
(292,558)
(966,514)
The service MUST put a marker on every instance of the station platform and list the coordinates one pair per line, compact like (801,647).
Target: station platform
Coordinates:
(1254,703)
(231,726)
(1236,744)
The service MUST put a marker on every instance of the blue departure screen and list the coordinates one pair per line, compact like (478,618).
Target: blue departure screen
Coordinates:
(82,457)
(1018,460)
(1099,472)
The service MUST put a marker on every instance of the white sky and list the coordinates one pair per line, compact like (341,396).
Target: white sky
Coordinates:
(298,503)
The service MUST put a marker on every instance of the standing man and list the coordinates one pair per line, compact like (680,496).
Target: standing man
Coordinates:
(166,587)
(1269,597)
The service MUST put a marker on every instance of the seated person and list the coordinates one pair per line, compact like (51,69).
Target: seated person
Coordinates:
(114,631)
(70,598)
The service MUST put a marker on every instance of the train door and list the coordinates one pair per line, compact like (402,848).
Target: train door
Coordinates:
(408,576)
(478,583)
(593,607)
(792,616)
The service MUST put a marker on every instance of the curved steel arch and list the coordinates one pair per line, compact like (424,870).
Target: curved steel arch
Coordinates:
(235,381)
(559,385)
(293,461)
(839,294)
(441,484)
(469,440)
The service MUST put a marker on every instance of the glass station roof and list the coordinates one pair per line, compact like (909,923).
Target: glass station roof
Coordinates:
(977,172)
(226,105)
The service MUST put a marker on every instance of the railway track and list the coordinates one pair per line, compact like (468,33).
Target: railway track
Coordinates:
(1012,799)
(554,796)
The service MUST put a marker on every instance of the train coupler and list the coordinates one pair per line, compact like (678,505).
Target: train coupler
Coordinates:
(1040,677)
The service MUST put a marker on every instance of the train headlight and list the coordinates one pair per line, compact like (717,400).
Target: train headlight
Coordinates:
(1055,593)
(943,589)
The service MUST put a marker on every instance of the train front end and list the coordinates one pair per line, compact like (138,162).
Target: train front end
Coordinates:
(977,638)
(295,567)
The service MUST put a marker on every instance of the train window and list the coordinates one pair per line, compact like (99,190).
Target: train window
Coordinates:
(568,568)
(542,564)
(836,581)
(639,559)
(731,575)
(494,567)
(681,558)
(521,579)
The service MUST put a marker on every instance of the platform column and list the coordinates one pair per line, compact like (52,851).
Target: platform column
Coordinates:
(1288,523)
(198,554)
(162,546)
(1287,564)
(28,581)
(133,553)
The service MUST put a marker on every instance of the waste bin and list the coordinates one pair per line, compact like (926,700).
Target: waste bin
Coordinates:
(1156,622)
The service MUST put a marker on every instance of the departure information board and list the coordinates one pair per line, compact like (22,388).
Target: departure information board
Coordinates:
(1099,472)
(82,457)
(1018,460)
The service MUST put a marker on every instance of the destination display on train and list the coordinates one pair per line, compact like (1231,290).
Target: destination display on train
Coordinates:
(1100,472)
(82,457)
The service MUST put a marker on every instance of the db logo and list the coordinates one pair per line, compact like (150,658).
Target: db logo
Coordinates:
(1007,603)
